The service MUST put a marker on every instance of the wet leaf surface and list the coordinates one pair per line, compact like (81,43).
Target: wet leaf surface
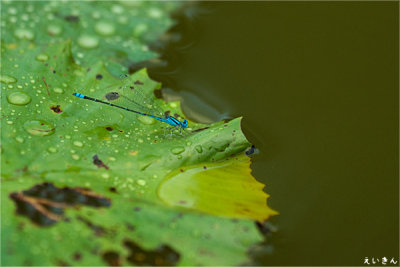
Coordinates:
(93,174)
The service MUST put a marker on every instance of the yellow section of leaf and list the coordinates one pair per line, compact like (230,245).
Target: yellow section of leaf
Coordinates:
(224,188)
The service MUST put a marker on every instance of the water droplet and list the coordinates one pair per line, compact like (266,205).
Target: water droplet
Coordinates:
(178,150)
(123,19)
(54,29)
(58,90)
(42,57)
(24,34)
(67,137)
(78,144)
(19,98)
(199,148)
(155,13)
(88,41)
(19,139)
(7,79)
(39,127)
(141,182)
(173,104)
(75,156)
(117,9)
(12,10)
(105,28)
(140,29)
(146,120)
(52,149)
(10,122)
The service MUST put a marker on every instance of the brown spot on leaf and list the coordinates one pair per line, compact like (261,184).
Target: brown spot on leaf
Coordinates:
(77,256)
(71,18)
(56,109)
(113,189)
(44,204)
(99,163)
(99,76)
(98,230)
(112,258)
(164,255)
(158,93)
(138,82)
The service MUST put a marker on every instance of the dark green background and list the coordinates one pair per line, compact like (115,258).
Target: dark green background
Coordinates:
(317,84)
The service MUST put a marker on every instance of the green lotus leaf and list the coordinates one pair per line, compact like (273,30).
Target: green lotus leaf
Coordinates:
(115,32)
(84,183)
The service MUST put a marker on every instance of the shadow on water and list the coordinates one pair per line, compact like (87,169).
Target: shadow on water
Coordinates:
(317,84)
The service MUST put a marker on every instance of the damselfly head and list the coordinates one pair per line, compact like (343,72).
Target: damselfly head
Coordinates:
(184,124)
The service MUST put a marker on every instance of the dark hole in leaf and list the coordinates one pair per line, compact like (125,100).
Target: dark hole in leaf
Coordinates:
(113,189)
(77,256)
(99,76)
(200,129)
(99,163)
(158,93)
(71,18)
(62,263)
(131,87)
(251,150)
(108,128)
(112,258)
(56,109)
(44,204)
(54,71)
(130,227)
(164,255)
(265,227)
(138,82)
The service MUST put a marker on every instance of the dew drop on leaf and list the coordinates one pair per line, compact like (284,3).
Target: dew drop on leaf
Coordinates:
(199,148)
(24,34)
(39,128)
(19,139)
(141,182)
(52,149)
(88,41)
(78,144)
(146,120)
(19,98)
(54,29)
(7,79)
(42,57)
(177,150)
(105,28)
(58,90)
(140,29)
